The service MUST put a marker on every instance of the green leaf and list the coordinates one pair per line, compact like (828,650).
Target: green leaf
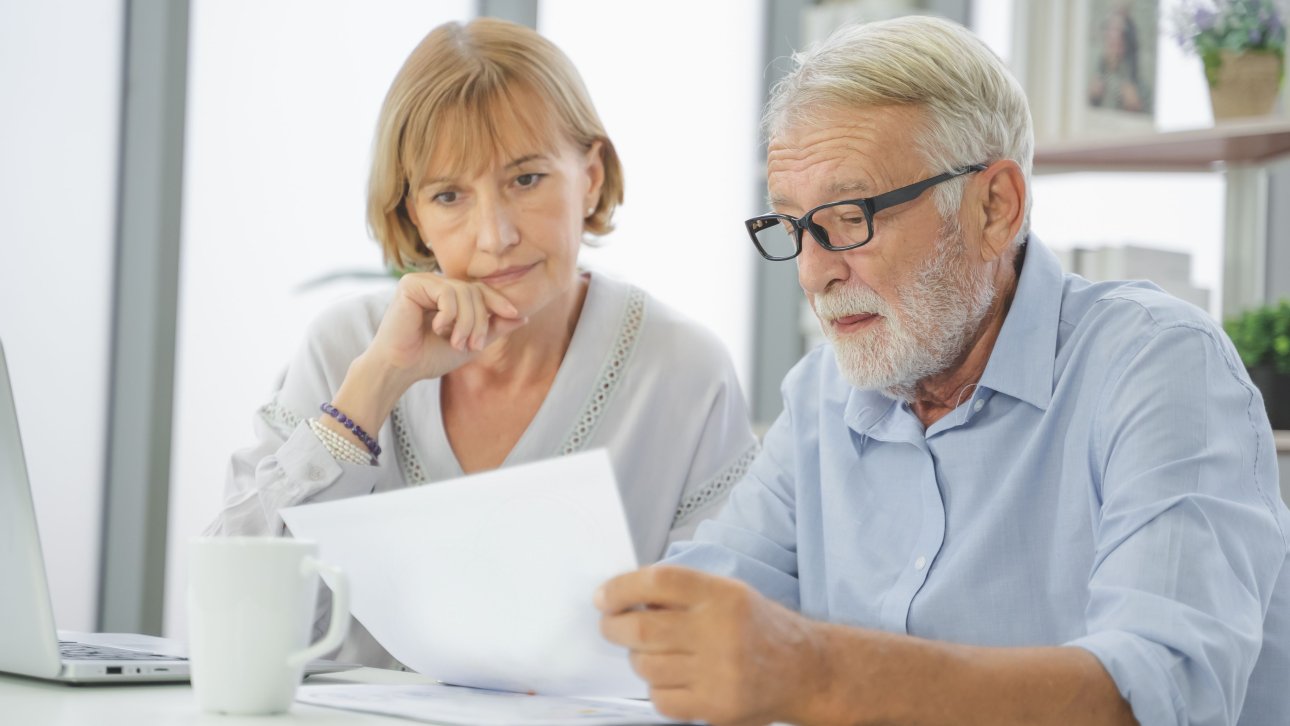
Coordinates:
(1262,335)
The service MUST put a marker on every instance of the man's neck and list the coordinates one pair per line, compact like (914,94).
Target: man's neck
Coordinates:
(937,395)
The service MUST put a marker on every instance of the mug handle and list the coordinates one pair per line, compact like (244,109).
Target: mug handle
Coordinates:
(338,628)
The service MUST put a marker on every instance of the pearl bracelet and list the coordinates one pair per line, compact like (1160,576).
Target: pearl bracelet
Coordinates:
(340,448)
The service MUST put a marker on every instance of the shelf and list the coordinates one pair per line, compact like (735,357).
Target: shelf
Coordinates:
(1243,142)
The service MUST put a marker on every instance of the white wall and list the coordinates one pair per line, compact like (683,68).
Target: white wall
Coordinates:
(678,85)
(60,80)
(282,104)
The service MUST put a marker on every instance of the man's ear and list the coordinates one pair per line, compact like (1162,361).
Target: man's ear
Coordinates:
(1002,200)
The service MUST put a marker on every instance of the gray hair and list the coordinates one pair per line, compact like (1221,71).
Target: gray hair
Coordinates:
(975,109)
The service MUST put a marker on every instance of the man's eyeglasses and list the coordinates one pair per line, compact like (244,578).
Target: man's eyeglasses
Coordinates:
(836,226)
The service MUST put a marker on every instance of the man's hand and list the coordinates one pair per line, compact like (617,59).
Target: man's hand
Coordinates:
(713,649)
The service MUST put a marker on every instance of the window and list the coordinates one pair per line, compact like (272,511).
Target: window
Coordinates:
(685,123)
(282,106)
(60,76)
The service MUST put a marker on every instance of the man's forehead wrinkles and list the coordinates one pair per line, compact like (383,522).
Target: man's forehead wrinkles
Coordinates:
(847,158)
(826,180)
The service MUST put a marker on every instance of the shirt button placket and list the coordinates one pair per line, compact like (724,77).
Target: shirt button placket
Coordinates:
(895,612)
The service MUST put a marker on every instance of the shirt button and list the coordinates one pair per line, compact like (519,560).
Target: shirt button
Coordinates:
(315,473)
(920,563)
(980,404)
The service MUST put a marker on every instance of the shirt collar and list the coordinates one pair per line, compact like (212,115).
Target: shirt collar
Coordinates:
(1021,363)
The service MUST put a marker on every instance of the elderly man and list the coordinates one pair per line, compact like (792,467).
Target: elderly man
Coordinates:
(1003,495)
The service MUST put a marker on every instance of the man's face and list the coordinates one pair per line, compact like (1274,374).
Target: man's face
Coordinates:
(904,306)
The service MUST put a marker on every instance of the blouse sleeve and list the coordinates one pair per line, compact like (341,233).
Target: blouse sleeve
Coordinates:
(724,449)
(288,465)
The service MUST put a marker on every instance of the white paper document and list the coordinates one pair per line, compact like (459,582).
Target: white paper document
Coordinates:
(487,580)
(451,705)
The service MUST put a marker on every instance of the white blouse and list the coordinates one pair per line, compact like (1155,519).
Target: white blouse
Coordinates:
(658,391)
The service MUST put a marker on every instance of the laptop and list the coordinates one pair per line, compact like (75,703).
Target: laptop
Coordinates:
(30,645)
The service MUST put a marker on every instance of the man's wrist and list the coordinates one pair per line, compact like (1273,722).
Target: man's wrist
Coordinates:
(847,677)
(819,683)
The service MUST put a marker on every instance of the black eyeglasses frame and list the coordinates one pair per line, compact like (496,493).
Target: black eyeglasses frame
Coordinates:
(871,206)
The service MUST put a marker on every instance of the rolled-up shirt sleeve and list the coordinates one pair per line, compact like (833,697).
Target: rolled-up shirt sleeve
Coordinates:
(1189,537)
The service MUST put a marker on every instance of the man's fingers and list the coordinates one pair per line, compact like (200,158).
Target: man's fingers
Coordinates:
(665,670)
(653,631)
(680,703)
(660,585)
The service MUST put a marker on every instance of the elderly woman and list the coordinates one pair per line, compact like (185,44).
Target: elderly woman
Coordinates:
(490,167)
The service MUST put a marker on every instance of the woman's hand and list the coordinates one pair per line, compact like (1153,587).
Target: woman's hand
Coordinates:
(433,325)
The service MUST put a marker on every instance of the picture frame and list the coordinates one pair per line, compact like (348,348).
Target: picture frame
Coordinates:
(1111,67)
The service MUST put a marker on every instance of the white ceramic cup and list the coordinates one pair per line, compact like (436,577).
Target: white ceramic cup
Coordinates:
(251,603)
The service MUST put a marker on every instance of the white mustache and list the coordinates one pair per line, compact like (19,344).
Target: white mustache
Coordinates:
(844,302)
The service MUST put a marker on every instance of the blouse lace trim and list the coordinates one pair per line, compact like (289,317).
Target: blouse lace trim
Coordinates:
(715,488)
(610,375)
(413,472)
(280,417)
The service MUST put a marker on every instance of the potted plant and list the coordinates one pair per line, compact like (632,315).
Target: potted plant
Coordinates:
(1242,46)
(1262,339)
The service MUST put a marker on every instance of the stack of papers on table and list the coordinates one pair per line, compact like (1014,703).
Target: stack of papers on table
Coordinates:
(485,581)
(453,706)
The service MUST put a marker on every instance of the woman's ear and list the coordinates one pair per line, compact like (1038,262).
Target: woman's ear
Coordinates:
(410,209)
(595,174)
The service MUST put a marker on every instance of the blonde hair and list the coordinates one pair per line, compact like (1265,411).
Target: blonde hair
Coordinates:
(975,111)
(472,95)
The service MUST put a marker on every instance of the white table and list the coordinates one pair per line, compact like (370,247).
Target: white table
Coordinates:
(29,702)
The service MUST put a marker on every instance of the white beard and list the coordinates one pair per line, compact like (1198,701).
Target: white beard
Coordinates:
(923,334)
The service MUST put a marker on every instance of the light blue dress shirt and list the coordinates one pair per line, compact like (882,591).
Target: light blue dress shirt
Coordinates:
(1110,484)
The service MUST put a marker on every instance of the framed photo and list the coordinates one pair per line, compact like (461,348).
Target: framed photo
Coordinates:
(1111,85)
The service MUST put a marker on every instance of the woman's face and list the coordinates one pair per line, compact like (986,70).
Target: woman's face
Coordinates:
(516,226)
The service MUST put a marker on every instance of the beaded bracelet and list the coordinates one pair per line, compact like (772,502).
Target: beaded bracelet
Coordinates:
(372,447)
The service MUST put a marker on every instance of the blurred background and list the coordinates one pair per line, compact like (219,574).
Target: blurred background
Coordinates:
(182,189)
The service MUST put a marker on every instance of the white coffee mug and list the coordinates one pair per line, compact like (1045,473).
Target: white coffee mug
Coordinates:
(251,603)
